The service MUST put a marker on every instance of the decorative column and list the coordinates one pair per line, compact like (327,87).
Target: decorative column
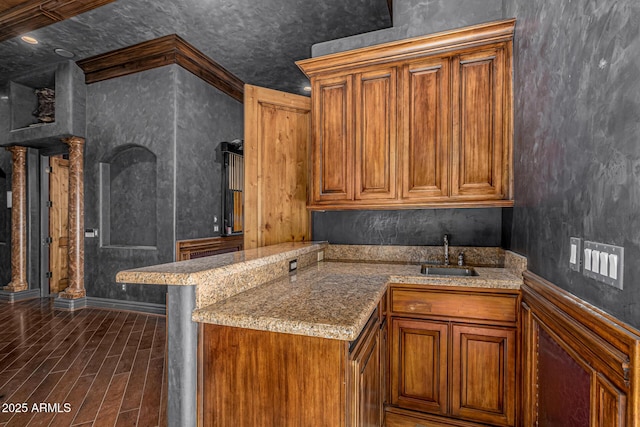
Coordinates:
(76,219)
(18,220)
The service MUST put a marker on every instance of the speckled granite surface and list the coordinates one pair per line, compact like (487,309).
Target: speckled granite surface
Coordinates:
(200,270)
(476,256)
(331,299)
(515,262)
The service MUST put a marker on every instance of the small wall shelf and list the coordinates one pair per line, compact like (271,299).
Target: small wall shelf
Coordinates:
(19,125)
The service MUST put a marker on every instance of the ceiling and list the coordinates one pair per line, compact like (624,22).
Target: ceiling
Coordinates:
(258,41)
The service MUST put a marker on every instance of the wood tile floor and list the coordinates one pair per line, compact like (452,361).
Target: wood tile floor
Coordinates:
(92,367)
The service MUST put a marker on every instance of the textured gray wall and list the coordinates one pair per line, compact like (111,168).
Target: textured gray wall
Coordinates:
(69,105)
(466,227)
(419,17)
(205,117)
(181,120)
(412,18)
(577,154)
(135,170)
(137,109)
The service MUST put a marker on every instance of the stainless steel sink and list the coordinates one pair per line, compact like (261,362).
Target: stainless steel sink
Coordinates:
(447,271)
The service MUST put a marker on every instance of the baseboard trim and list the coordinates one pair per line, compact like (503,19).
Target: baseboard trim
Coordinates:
(67,304)
(12,297)
(115,304)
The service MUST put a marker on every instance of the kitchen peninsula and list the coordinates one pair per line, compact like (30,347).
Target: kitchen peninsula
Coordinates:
(225,311)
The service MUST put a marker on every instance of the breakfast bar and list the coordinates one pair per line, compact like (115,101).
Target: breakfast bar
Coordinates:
(331,294)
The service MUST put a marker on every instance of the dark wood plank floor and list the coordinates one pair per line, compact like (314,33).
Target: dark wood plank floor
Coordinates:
(92,367)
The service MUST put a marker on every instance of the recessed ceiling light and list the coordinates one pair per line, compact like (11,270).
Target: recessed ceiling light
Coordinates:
(29,39)
(64,53)
(307,88)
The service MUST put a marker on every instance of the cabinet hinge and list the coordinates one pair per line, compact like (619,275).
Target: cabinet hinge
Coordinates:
(49,274)
(49,203)
(48,169)
(48,240)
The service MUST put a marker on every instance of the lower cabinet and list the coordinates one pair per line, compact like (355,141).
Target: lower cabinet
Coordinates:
(483,384)
(258,378)
(452,369)
(419,365)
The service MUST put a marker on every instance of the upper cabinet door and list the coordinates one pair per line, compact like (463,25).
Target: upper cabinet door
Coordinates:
(425,130)
(376,111)
(276,155)
(332,139)
(478,107)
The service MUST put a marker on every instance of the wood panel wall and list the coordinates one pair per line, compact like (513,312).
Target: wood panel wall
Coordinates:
(607,351)
(198,248)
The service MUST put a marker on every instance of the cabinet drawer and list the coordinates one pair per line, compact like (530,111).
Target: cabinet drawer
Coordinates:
(464,304)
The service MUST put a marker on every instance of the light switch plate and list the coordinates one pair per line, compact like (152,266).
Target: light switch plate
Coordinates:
(606,276)
(575,253)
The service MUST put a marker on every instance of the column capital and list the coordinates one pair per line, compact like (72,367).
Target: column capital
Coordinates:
(16,149)
(73,141)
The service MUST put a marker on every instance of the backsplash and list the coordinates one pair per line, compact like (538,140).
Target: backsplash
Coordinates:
(474,256)
(411,227)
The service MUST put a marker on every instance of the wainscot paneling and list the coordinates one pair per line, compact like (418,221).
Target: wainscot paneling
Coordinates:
(601,379)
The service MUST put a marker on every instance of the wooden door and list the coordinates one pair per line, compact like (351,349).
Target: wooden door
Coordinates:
(375,114)
(419,365)
(478,107)
(425,130)
(366,410)
(333,139)
(277,136)
(483,385)
(59,224)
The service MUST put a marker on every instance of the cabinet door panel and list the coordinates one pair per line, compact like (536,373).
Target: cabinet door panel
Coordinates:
(478,104)
(483,374)
(610,403)
(419,365)
(333,139)
(366,400)
(426,126)
(376,134)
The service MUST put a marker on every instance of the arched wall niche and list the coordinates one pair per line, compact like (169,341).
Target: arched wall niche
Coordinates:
(128,197)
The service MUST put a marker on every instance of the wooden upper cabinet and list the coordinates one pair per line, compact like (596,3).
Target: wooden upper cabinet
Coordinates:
(478,112)
(422,122)
(375,114)
(425,130)
(332,148)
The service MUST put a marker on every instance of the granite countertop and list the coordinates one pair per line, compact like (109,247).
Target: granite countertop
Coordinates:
(332,299)
(199,270)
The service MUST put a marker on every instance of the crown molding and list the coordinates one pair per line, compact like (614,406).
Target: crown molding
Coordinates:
(33,14)
(170,49)
(412,48)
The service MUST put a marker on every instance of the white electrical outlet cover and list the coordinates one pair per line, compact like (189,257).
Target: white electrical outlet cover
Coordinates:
(574,255)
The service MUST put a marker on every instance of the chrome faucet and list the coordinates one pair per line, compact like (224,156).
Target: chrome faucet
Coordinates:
(446,249)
